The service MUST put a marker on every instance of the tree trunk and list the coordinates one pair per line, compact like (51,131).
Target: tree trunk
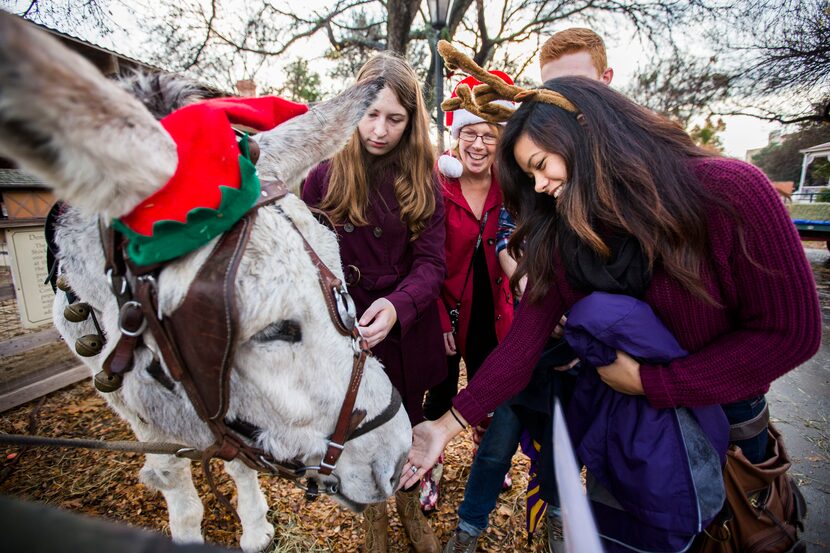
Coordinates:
(400,15)
(485,53)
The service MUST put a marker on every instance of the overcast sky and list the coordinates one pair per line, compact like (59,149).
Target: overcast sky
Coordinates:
(625,54)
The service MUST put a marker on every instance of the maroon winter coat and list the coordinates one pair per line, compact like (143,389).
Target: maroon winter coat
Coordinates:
(462,232)
(407,273)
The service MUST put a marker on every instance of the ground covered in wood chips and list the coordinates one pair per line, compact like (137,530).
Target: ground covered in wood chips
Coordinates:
(105,484)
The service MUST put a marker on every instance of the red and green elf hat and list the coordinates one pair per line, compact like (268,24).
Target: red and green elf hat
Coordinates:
(215,182)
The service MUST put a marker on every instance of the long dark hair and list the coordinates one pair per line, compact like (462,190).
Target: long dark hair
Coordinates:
(628,172)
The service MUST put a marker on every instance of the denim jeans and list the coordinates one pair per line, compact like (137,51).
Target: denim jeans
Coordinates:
(755,448)
(491,463)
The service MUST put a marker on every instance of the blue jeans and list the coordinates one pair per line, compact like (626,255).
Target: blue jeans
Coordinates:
(755,448)
(491,463)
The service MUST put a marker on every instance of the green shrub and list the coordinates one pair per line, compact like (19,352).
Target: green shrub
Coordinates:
(823,196)
(810,212)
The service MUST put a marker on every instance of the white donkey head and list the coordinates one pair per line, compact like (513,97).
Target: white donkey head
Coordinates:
(104,152)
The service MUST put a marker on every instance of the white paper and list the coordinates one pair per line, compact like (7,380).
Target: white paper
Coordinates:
(578,525)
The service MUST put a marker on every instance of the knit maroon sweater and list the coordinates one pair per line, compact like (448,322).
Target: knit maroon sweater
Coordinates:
(770,321)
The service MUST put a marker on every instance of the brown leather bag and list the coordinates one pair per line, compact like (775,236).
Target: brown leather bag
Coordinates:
(764,510)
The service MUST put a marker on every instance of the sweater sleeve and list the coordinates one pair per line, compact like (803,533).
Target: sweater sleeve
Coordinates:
(419,290)
(776,315)
(508,369)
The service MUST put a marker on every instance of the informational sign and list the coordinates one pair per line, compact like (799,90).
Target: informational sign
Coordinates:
(27,247)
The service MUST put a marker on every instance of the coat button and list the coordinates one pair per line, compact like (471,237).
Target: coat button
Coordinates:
(491,241)
(498,317)
(499,280)
(377,231)
(348,227)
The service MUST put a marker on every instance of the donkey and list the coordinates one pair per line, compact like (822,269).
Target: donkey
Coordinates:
(103,152)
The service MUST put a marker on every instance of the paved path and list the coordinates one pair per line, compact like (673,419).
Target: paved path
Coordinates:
(800,405)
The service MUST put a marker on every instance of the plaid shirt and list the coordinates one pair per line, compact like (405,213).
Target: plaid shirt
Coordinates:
(505,229)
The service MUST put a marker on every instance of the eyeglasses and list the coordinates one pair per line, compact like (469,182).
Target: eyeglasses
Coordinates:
(470,136)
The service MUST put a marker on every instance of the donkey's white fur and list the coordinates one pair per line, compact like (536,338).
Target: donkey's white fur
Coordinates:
(104,153)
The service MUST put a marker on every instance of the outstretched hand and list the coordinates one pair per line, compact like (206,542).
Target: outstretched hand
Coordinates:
(377,321)
(428,441)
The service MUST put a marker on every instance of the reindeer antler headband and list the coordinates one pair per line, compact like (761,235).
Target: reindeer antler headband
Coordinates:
(480,100)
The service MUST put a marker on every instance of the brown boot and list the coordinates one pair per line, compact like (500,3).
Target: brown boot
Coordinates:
(417,529)
(375,523)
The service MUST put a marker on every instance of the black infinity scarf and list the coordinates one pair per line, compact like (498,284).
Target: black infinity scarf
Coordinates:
(625,272)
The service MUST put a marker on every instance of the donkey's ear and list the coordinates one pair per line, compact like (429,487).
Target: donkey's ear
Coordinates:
(60,119)
(292,148)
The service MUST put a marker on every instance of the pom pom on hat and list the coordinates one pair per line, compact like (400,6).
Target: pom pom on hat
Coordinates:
(460,118)
(450,167)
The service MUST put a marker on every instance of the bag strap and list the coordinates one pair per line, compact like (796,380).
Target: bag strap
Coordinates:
(472,259)
(750,428)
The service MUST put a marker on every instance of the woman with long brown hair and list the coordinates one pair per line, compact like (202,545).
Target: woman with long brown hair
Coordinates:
(611,197)
(389,216)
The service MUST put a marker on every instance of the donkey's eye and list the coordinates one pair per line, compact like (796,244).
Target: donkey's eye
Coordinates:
(286,331)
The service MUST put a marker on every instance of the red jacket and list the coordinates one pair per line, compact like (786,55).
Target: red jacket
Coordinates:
(462,230)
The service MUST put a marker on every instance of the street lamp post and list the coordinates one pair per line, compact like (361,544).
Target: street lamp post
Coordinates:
(438,10)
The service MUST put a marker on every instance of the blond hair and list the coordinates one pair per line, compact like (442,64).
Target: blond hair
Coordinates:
(348,192)
(572,40)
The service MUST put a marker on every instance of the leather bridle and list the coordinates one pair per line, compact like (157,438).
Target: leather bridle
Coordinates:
(197,342)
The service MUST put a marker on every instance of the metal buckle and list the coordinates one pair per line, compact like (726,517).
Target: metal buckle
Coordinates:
(185,452)
(335,445)
(112,284)
(121,316)
(346,310)
(152,280)
(330,489)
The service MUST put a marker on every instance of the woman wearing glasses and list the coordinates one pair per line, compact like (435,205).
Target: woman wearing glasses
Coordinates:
(476,307)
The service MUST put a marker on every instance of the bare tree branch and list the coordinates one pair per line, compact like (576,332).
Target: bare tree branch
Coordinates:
(208,26)
(821,115)
(28,11)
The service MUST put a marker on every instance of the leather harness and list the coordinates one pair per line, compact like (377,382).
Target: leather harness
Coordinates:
(198,339)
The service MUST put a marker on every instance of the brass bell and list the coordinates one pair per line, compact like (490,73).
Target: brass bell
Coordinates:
(107,383)
(76,312)
(89,345)
(63,284)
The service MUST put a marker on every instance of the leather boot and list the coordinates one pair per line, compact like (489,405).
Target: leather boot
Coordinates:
(375,524)
(417,529)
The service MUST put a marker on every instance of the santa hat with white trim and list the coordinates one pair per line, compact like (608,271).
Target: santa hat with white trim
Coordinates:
(447,164)
(461,117)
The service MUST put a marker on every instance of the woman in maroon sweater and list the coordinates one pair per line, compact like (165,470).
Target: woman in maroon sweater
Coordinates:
(613,197)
